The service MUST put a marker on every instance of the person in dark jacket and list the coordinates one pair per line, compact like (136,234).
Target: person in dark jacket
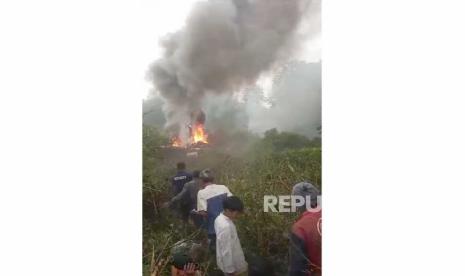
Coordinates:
(180,179)
(188,198)
(177,183)
(305,237)
(189,192)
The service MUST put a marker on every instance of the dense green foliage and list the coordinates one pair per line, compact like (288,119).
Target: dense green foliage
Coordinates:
(272,166)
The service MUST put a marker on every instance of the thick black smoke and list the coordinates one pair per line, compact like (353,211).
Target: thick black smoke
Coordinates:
(225,45)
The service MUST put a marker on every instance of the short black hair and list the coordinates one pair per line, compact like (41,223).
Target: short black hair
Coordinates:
(181,165)
(180,260)
(206,175)
(233,203)
(196,173)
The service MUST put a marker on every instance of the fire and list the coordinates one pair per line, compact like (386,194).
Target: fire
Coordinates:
(199,134)
(176,142)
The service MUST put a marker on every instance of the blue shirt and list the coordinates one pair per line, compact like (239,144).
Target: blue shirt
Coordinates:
(178,181)
(210,199)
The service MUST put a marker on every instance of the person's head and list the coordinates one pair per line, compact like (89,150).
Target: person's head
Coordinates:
(180,259)
(181,166)
(195,174)
(307,191)
(233,207)
(206,177)
(180,262)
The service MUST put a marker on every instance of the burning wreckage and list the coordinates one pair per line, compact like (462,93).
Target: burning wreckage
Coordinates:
(196,140)
(225,47)
(197,133)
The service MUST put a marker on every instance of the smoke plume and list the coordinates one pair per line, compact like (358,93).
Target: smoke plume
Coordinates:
(295,102)
(224,46)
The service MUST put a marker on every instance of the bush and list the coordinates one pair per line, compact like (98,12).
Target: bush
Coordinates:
(276,163)
(281,141)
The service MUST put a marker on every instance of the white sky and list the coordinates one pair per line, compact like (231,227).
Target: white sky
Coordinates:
(71,133)
(162,17)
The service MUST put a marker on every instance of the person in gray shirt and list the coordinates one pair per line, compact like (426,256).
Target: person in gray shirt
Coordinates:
(188,195)
(187,200)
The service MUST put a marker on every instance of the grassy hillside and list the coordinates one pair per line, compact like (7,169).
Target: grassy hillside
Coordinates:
(269,167)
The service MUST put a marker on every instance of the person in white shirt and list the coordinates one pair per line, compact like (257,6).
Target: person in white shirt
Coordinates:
(229,255)
(210,203)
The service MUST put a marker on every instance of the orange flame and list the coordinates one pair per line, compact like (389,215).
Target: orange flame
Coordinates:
(176,142)
(199,134)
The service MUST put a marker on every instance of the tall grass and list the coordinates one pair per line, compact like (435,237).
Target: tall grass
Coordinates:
(262,171)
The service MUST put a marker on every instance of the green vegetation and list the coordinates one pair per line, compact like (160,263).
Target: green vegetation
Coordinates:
(270,166)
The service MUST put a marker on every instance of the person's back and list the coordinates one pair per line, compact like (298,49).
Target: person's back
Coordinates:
(305,236)
(193,187)
(188,195)
(210,203)
(210,199)
(180,179)
(306,245)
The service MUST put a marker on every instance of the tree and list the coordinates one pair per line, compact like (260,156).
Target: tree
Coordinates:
(280,141)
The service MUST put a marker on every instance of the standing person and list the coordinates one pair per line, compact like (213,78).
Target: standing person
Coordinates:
(210,202)
(229,255)
(305,237)
(180,178)
(188,192)
(188,197)
(177,184)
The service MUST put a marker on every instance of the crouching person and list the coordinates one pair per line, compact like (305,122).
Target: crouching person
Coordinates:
(229,255)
